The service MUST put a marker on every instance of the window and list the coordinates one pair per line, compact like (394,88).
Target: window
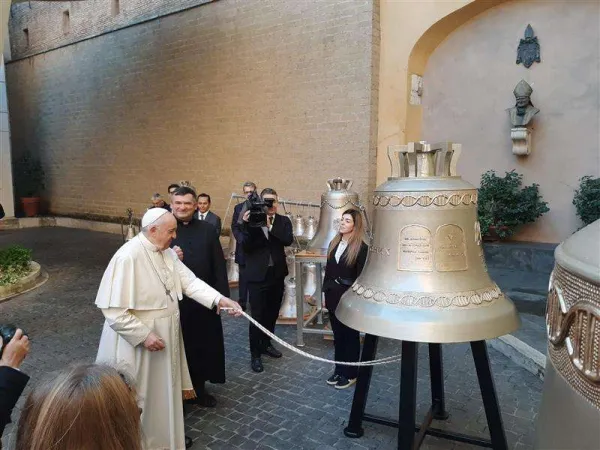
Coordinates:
(115,7)
(26,34)
(66,22)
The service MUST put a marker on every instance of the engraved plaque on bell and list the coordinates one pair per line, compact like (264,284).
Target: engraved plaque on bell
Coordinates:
(425,279)
(415,251)
(450,249)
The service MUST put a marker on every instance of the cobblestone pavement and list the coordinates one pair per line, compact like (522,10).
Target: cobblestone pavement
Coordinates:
(289,406)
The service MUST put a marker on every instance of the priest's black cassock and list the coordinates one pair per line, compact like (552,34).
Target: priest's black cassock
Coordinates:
(202,329)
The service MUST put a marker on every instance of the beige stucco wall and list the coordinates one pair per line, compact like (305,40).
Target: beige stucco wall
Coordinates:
(469,81)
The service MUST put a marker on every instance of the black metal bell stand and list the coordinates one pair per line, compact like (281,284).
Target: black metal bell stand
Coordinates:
(407,439)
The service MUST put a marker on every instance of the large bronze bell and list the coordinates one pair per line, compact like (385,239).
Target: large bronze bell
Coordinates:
(425,279)
(337,199)
(570,408)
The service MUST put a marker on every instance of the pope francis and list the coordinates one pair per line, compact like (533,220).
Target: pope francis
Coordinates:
(139,295)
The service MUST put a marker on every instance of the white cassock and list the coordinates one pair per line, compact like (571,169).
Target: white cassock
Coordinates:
(140,293)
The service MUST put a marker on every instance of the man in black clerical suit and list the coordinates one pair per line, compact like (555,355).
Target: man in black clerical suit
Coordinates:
(240,259)
(198,247)
(266,268)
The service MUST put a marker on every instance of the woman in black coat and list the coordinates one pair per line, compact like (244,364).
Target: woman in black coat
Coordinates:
(345,260)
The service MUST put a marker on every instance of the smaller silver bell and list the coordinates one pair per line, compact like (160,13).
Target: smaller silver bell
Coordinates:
(311,228)
(233,270)
(288,306)
(310,282)
(298,226)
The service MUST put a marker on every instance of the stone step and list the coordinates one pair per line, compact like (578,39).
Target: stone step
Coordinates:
(9,223)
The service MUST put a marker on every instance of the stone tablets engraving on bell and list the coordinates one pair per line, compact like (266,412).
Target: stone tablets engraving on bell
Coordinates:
(415,252)
(450,249)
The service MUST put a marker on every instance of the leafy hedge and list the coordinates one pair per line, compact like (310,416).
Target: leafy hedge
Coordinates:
(14,264)
(504,203)
(587,199)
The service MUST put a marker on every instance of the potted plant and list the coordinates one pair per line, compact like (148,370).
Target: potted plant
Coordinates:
(29,183)
(587,199)
(504,204)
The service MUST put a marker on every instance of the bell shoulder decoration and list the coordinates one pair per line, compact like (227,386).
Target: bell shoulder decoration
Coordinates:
(570,408)
(528,51)
(425,279)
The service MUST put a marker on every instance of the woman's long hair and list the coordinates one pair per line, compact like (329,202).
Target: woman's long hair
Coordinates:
(83,407)
(354,242)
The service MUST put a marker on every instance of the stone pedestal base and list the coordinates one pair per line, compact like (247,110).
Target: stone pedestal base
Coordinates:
(521,138)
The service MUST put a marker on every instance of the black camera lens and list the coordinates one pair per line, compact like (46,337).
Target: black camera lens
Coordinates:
(7,332)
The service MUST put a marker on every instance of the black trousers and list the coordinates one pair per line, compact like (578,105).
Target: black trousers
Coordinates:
(242,285)
(347,346)
(265,302)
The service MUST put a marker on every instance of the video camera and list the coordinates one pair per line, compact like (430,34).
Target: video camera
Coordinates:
(7,332)
(258,209)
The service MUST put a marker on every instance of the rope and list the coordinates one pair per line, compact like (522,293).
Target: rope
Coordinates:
(375,362)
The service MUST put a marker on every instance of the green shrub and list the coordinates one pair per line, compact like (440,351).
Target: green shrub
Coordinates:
(14,264)
(504,204)
(587,199)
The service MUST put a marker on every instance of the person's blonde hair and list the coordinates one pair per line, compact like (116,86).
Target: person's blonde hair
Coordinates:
(354,242)
(83,407)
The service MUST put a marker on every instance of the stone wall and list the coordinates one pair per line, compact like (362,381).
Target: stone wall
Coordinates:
(281,92)
(469,82)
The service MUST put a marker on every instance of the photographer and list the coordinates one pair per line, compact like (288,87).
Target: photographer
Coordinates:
(12,380)
(263,235)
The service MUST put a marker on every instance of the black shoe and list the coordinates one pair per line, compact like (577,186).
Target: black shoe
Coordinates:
(333,379)
(204,399)
(257,365)
(272,352)
(344,382)
(188,442)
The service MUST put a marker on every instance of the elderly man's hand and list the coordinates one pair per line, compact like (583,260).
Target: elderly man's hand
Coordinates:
(233,308)
(179,252)
(154,343)
(16,350)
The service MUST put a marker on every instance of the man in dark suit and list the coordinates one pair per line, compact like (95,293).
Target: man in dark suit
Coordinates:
(266,268)
(248,188)
(172,188)
(204,212)
(198,247)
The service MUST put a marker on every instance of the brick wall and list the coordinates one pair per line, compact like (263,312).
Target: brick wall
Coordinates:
(282,92)
(37,27)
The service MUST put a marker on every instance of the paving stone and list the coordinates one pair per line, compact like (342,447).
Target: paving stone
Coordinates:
(288,406)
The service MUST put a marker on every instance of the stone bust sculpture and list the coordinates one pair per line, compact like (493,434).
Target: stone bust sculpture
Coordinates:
(523,111)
